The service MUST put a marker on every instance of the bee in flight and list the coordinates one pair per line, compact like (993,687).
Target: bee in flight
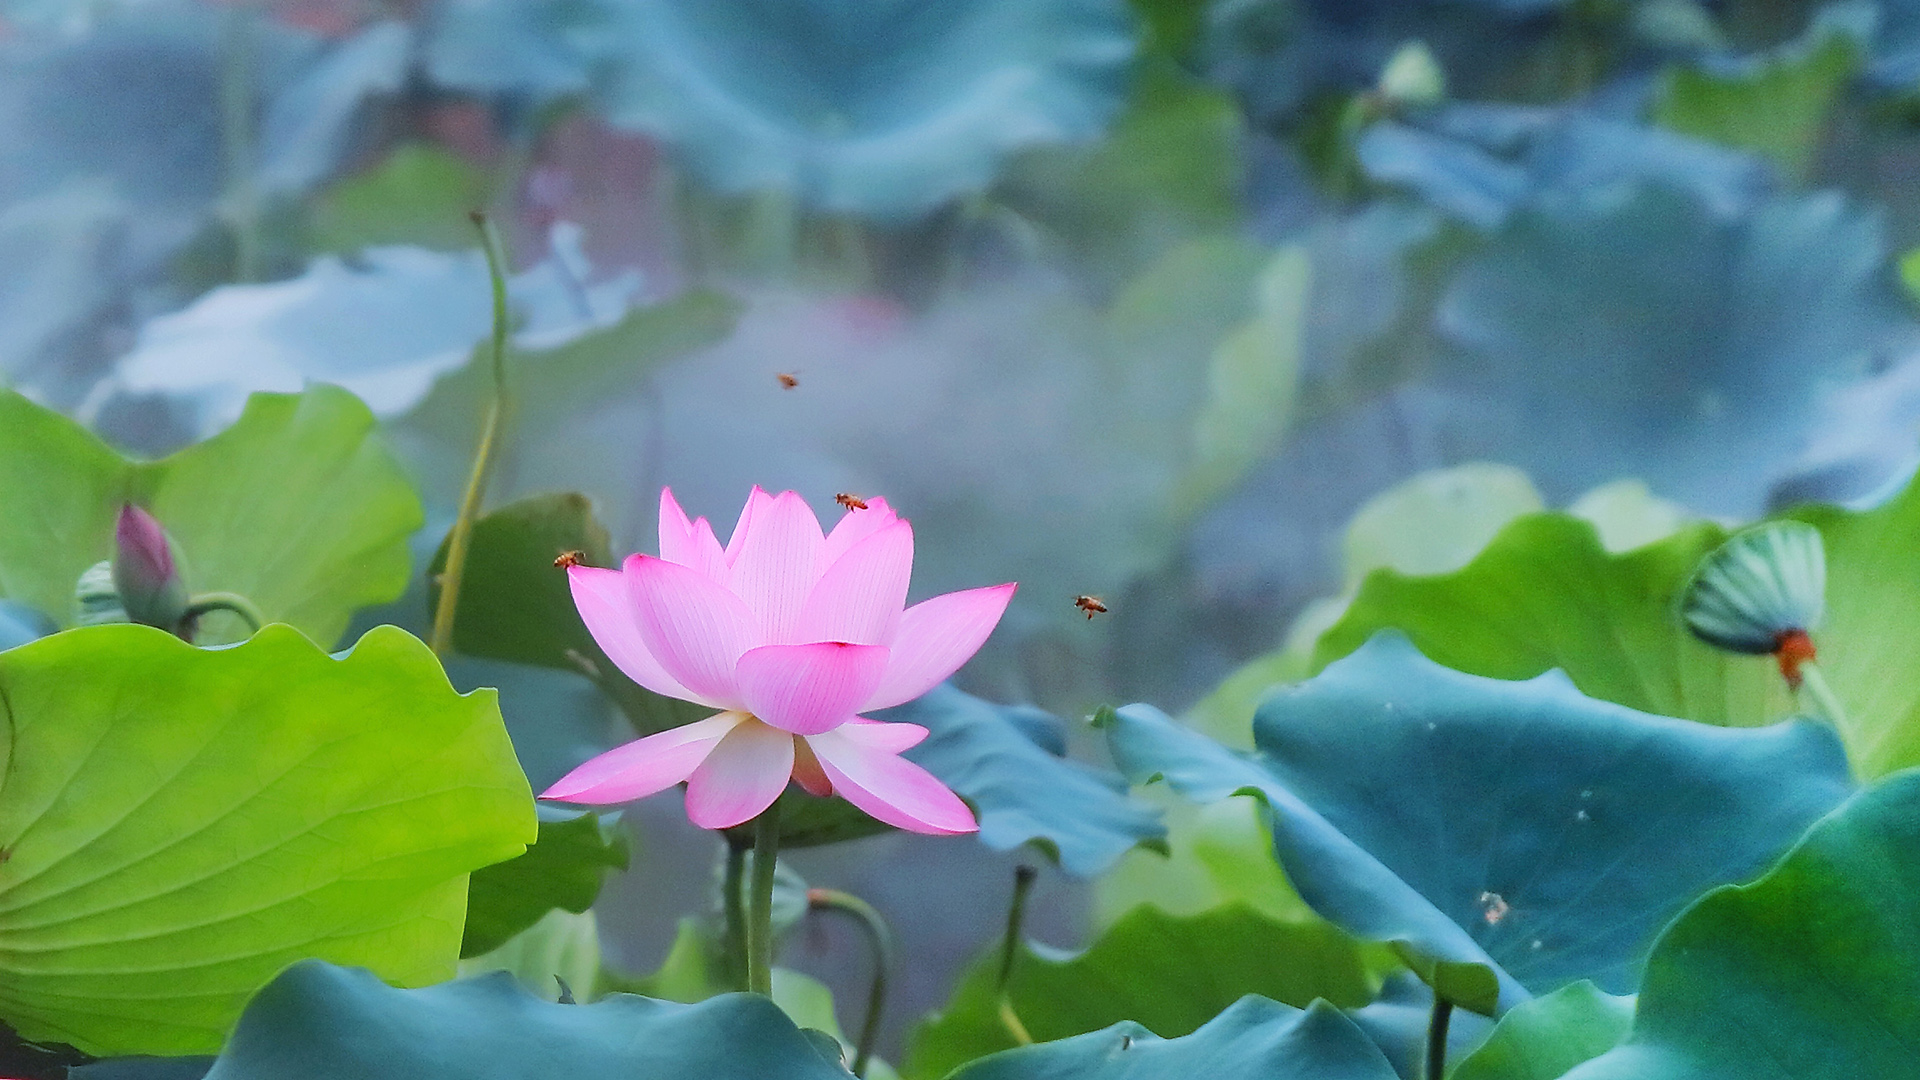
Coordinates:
(1092,605)
(788,380)
(850,501)
(571,558)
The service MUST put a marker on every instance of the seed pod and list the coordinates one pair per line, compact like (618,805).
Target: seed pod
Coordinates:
(1759,592)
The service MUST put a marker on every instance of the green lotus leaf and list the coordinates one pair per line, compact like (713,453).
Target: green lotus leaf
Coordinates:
(1533,837)
(181,824)
(1254,1039)
(1545,594)
(1810,972)
(1543,1038)
(562,870)
(321,1020)
(1774,105)
(1168,973)
(299,506)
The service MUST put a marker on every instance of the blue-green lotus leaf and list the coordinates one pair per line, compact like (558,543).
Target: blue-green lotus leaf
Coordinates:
(1639,331)
(885,108)
(1009,763)
(1508,837)
(317,1020)
(1254,1039)
(1810,972)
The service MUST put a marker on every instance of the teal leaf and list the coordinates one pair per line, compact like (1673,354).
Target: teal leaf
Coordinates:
(1508,838)
(879,110)
(320,1020)
(1770,306)
(1254,1039)
(1810,972)
(1168,973)
(1024,792)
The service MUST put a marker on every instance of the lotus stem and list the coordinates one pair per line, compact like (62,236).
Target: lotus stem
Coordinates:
(766,853)
(441,637)
(1437,1037)
(237,45)
(880,940)
(1023,879)
(1814,693)
(733,902)
(224,601)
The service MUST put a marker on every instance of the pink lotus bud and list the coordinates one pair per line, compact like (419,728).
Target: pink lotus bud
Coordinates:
(144,573)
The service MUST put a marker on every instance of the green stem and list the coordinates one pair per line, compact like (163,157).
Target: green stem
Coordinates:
(237,139)
(766,853)
(1815,692)
(441,637)
(224,601)
(880,940)
(733,902)
(1437,1037)
(1023,879)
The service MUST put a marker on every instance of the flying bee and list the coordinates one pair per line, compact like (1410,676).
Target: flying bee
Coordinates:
(570,558)
(788,379)
(1092,605)
(1494,907)
(850,501)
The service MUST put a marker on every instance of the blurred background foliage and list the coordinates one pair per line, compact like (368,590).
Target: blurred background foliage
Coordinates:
(1181,303)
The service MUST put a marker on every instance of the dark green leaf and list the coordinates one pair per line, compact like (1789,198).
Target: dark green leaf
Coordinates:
(1777,106)
(1810,973)
(1255,1039)
(515,604)
(420,195)
(181,823)
(318,1020)
(563,869)
(1168,973)
(1496,831)
(1543,1038)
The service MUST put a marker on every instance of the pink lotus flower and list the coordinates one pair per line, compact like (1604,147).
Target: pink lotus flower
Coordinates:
(791,634)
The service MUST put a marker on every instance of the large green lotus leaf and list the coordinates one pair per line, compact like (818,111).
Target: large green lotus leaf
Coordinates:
(1545,594)
(1533,836)
(562,870)
(182,823)
(1810,973)
(421,194)
(317,1020)
(1254,1039)
(299,506)
(62,489)
(1168,973)
(1543,1038)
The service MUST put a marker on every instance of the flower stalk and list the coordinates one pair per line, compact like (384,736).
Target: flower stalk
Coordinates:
(1437,1024)
(1023,879)
(766,855)
(880,940)
(441,636)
